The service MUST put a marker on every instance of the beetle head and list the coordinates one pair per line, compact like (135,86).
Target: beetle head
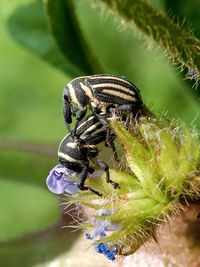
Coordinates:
(71,165)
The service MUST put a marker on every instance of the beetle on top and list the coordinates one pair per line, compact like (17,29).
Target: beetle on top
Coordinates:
(104,94)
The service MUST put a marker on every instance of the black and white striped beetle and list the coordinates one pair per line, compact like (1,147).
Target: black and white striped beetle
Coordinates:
(75,152)
(103,93)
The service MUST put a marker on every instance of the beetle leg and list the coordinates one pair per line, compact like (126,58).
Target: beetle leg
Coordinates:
(124,108)
(92,190)
(105,168)
(102,119)
(79,117)
(81,181)
(110,144)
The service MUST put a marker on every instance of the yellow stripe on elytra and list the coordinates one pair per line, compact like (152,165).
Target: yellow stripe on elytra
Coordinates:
(110,78)
(117,86)
(119,94)
(82,124)
(98,131)
(68,158)
(91,128)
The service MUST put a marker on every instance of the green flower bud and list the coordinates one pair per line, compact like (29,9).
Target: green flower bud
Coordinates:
(161,167)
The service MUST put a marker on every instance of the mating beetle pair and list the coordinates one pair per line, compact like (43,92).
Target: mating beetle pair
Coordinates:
(105,95)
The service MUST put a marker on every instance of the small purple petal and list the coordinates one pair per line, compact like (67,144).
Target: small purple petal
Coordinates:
(193,73)
(59,181)
(99,227)
(88,236)
(102,233)
(113,227)
(72,188)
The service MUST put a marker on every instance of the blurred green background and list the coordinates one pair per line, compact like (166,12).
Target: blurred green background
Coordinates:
(31,123)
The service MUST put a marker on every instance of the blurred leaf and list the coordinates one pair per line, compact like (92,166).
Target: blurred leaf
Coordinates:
(25,201)
(23,167)
(28,25)
(28,206)
(24,188)
(185,13)
(69,37)
(38,247)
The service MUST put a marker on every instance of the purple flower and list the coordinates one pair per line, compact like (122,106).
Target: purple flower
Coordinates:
(59,180)
(193,73)
(100,228)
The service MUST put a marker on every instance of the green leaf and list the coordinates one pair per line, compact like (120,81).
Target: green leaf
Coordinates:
(30,226)
(25,167)
(139,160)
(69,37)
(182,46)
(28,200)
(169,160)
(28,26)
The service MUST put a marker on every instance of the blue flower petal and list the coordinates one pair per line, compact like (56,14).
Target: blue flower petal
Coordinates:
(110,255)
(72,188)
(59,181)
(100,228)
(104,249)
(101,248)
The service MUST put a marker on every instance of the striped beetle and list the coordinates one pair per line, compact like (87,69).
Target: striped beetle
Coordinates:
(75,152)
(103,93)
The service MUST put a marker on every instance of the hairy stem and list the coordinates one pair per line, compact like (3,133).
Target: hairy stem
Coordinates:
(182,46)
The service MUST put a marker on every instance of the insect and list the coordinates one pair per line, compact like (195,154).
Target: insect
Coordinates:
(103,94)
(76,152)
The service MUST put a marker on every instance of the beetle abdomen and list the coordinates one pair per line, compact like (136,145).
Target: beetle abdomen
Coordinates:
(91,131)
(114,90)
